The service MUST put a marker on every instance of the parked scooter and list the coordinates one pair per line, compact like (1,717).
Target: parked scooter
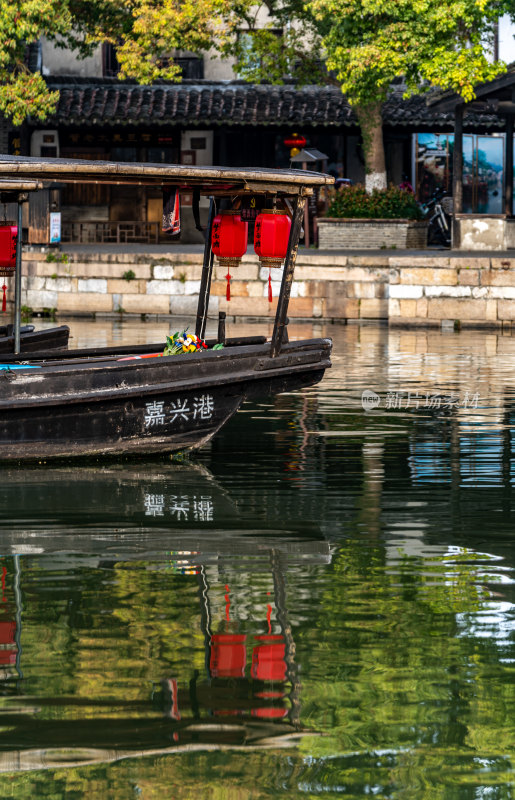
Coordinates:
(438,212)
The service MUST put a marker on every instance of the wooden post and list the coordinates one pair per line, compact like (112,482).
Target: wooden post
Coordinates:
(221,327)
(17,280)
(289,268)
(290,650)
(207,272)
(508,178)
(457,174)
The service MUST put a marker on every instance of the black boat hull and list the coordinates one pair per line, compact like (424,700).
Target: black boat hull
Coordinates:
(32,341)
(119,408)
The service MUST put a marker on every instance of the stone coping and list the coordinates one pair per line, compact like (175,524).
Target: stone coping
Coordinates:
(373,220)
(372,258)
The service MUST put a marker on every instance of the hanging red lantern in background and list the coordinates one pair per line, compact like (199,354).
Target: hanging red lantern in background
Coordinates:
(229,241)
(8,241)
(295,142)
(271,237)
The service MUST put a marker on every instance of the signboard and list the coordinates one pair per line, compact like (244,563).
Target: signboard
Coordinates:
(55,227)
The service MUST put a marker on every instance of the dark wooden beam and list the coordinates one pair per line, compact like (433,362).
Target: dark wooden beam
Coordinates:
(205,280)
(289,268)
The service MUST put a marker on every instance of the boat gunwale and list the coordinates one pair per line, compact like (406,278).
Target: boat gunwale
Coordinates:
(200,356)
(274,367)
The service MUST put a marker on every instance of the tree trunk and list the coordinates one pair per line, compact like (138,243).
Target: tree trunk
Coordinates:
(371,123)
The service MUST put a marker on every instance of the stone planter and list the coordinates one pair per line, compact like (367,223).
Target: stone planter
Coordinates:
(371,234)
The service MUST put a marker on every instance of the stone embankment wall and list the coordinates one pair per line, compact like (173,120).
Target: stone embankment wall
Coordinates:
(399,289)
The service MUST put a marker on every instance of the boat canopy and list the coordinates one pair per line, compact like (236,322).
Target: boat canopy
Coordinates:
(209,180)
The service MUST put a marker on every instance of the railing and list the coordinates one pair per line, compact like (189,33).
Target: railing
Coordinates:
(92,232)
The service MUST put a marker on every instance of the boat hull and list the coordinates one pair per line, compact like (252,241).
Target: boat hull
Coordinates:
(32,341)
(121,408)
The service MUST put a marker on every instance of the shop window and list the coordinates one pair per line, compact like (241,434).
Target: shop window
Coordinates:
(483,170)
(110,65)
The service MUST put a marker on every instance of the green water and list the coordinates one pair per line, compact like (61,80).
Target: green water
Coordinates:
(318,604)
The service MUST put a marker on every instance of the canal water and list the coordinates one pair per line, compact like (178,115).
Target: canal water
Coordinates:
(320,603)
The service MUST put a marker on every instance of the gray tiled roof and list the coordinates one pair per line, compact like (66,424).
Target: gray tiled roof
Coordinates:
(207,103)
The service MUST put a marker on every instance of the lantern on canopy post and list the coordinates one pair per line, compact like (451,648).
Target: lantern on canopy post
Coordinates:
(8,241)
(229,241)
(271,237)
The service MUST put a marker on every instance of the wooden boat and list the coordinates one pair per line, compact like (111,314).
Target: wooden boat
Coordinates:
(112,402)
(32,340)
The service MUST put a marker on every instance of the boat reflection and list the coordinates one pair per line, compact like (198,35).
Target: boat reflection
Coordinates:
(103,581)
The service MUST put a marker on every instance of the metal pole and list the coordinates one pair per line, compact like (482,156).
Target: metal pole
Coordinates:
(306,216)
(207,273)
(457,174)
(17,282)
(508,181)
(289,268)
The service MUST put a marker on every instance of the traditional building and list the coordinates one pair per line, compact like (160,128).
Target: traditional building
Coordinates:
(219,120)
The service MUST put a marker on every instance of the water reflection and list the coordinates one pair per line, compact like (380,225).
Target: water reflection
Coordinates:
(319,603)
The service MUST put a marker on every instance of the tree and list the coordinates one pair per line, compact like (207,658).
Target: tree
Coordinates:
(359,45)
(145,32)
(363,45)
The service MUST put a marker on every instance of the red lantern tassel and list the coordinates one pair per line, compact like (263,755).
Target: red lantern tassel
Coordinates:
(228,290)
(270,296)
(4,299)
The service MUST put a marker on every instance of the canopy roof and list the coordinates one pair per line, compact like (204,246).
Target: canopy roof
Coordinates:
(208,179)
(496,96)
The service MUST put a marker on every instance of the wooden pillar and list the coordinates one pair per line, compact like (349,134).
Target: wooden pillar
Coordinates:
(457,174)
(508,164)
(289,269)
(205,280)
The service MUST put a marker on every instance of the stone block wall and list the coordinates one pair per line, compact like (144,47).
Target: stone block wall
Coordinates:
(430,290)
(324,286)
(371,234)
(452,290)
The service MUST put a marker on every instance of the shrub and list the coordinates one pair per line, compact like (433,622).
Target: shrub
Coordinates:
(391,203)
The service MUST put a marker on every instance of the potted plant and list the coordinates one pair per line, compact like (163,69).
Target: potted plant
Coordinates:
(383,219)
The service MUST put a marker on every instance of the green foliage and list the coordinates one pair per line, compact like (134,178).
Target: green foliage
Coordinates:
(364,45)
(391,203)
(26,313)
(60,258)
(372,42)
(145,32)
(129,275)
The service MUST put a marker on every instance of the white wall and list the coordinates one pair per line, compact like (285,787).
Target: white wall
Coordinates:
(56,61)
(506,39)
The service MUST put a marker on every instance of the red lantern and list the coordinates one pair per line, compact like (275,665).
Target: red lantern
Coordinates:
(8,240)
(295,140)
(229,241)
(268,662)
(271,237)
(228,656)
